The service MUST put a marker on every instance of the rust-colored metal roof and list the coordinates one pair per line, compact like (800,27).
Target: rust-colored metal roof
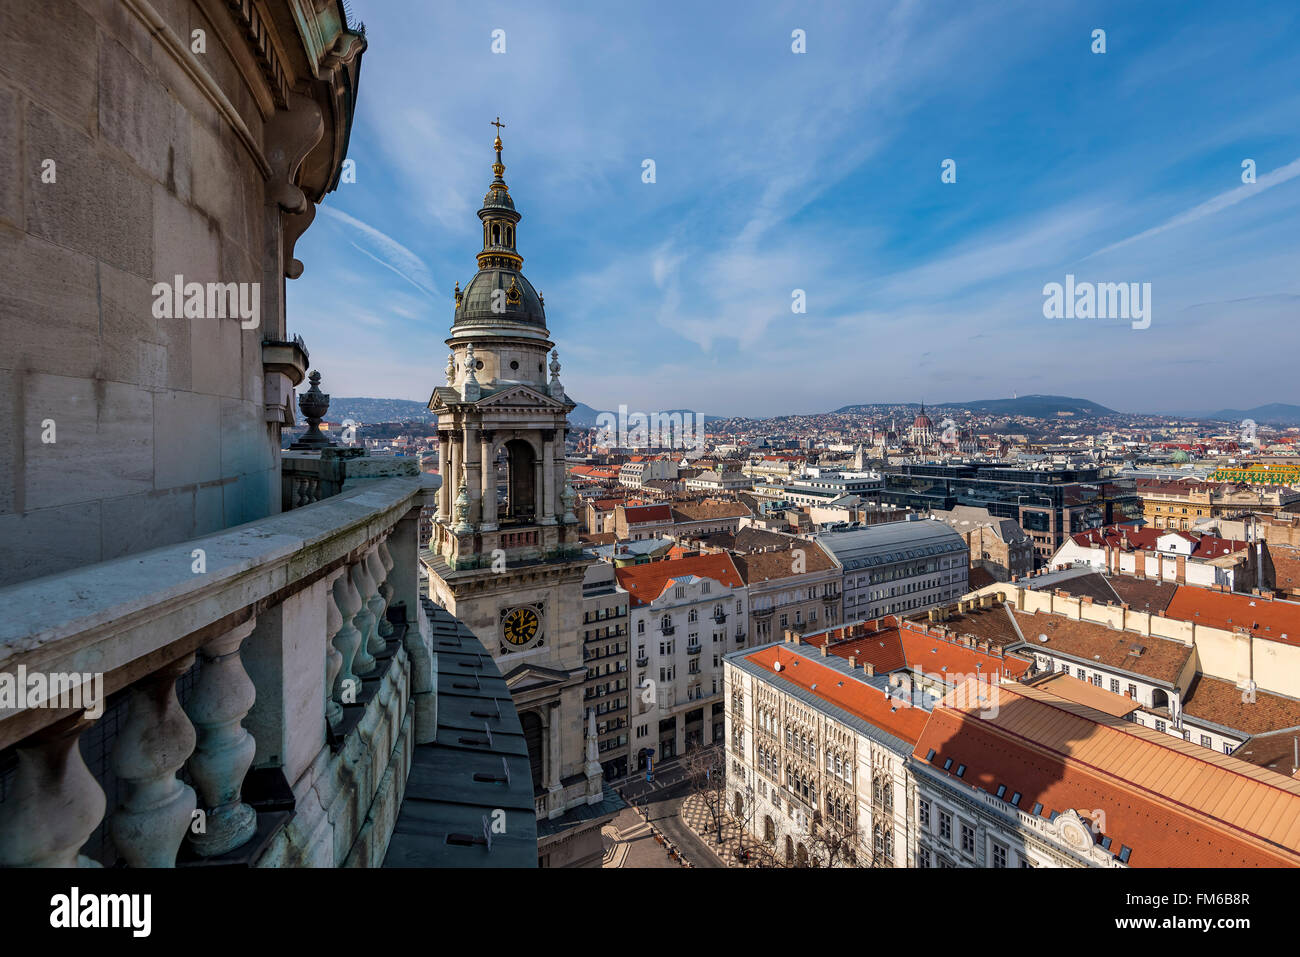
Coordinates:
(1082,692)
(1174,803)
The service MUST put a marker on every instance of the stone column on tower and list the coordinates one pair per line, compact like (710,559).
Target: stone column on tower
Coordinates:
(539,492)
(446,474)
(553,764)
(487,457)
(561,476)
(548,477)
(473,479)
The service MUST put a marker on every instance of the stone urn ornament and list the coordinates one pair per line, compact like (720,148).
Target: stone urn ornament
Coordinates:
(313,404)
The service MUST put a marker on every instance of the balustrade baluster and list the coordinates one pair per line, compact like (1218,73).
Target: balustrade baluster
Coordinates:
(348,640)
(364,619)
(378,604)
(150,824)
(223,696)
(386,589)
(54,804)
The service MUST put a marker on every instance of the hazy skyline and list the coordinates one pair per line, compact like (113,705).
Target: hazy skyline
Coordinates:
(820,171)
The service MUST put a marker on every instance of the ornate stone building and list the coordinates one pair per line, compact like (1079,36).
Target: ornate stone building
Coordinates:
(504,554)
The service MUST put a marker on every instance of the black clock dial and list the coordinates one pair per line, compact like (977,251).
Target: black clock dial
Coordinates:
(520,626)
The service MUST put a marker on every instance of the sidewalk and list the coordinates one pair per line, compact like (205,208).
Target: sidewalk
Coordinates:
(697,817)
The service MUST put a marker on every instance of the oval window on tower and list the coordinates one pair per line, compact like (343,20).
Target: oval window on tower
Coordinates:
(479,365)
(515,365)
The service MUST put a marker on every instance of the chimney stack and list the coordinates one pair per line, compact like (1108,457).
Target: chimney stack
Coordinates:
(869,668)
(853,662)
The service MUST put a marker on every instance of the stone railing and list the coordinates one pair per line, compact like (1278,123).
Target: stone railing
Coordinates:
(252,696)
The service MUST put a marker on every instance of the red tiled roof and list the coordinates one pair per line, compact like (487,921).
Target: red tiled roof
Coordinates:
(888,647)
(935,655)
(1275,620)
(647,513)
(879,644)
(844,691)
(645,583)
(1130,538)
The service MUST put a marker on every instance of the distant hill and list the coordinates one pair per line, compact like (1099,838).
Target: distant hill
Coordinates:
(584,416)
(1275,413)
(1037,406)
(373,411)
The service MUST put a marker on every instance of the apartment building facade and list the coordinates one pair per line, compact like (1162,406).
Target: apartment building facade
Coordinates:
(605,652)
(898,567)
(685,614)
(796,586)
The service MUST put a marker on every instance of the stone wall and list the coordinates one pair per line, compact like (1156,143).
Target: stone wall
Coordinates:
(128,157)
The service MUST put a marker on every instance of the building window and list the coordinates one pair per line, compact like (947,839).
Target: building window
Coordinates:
(1133,692)
(1160,725)
(999,855)
(1207,741)
(1114,685)
(967,839)
(925,815)
(945,826)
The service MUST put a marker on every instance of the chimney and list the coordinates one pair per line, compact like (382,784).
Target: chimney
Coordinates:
(869,668)
(853,662)
(826,649)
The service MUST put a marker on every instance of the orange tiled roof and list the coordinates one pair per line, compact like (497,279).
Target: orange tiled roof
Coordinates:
(1173,803)
(645,583)
(844,691)
(1263,618)
(934,654)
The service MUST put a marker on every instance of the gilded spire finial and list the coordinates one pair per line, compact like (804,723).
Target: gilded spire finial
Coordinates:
(500,126)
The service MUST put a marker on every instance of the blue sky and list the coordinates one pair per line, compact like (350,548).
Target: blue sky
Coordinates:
(820,171)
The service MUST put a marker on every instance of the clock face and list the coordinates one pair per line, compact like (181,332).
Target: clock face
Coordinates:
(520,626)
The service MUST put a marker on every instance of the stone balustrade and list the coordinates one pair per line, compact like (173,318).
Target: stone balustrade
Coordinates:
(265,686)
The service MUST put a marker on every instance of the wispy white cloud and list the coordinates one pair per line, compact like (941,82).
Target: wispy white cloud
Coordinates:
(385,250)
(1211,206)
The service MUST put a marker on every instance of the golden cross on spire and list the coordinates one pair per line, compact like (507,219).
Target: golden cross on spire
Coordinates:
(498,124)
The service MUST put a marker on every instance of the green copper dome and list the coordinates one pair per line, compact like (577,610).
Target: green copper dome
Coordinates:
(517,297)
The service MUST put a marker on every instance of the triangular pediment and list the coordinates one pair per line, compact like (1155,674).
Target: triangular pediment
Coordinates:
(443,396)
(529,677)
(510,396)
(517,394)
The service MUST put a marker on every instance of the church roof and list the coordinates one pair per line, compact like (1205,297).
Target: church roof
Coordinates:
(481,296)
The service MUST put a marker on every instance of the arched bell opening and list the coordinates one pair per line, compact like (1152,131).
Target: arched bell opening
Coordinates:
(521,462)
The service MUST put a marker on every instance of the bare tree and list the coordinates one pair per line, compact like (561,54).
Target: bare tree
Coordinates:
(742,810)
(833,844)
(707,770)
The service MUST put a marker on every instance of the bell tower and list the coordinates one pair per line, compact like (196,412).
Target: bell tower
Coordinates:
(504,555)
(501,423)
